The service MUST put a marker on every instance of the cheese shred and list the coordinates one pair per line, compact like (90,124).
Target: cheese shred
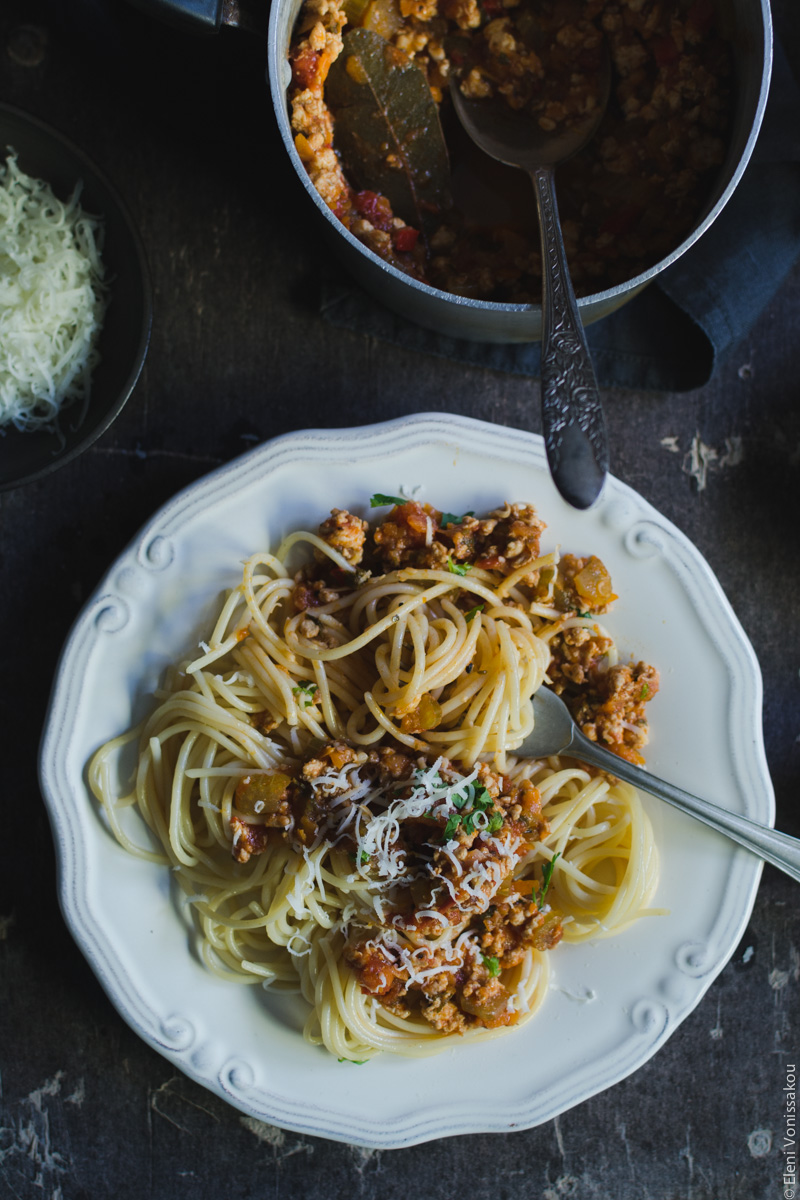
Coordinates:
(52,301)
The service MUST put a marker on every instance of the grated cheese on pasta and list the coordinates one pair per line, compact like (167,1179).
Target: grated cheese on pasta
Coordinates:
(51,301)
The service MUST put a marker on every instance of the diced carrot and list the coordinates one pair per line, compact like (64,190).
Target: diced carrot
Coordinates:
(303,147)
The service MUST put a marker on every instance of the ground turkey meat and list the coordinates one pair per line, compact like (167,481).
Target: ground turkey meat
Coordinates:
(345,533)
(627,199)
(416,535)
(511,927)
(578,654)
(407,538)
(509,540)
(612,710)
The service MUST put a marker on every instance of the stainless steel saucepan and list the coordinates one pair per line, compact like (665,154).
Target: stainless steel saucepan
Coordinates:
(750,26)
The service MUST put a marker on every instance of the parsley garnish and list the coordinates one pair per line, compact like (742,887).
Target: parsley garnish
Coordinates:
(451,827)
(310,692)
(452,519)
(584,614)
(363,858)
(456,568)
(468,616)
(645,692)
(479,800)
(357,1062)
(547,875)
(468,822)
(492,964)
(495,822)
(379,500)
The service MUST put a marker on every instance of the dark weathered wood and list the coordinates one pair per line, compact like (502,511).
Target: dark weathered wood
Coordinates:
(184,127)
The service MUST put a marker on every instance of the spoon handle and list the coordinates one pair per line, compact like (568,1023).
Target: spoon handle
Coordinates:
(774,847)
(572,417)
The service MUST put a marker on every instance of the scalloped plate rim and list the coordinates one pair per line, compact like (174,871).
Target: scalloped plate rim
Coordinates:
(297,1114)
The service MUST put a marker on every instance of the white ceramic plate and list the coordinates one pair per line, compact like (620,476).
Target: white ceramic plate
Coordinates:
(612,1003)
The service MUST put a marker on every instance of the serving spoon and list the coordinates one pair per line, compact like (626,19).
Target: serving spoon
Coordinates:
(572,416)
(555,732)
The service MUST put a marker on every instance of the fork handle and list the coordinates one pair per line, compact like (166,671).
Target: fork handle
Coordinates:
(774,847)
(572,416)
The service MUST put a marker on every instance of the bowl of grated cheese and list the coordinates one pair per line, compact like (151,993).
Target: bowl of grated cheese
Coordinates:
(75,300)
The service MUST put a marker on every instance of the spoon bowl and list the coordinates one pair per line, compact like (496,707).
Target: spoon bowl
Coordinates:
(515,138)
(572,415)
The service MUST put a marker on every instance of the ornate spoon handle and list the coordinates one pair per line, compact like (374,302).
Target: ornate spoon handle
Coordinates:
(780,849)
(572,417)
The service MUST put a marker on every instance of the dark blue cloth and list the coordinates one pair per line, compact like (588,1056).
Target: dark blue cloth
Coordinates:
(671,336)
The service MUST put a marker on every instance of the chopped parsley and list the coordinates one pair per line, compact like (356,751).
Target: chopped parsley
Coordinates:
(477,799)
(468,820)
(451,827)
(584,614)
(645,692)
(363,858)
(547,875)
(452,519)
(456,568)
(309,692)
(472,612)
(379,500)
(492,964)
(357,1062)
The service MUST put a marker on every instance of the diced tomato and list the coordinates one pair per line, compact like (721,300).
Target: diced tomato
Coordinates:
(304,68)
(415,517)
(342,206)
(304,597)
(376,975)
(375,208)
(405,239)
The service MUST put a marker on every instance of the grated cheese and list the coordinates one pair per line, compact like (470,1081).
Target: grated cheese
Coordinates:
(373,815)
(51,301)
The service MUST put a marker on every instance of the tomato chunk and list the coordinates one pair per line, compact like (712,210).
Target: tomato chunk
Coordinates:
(405,239)
(374,208)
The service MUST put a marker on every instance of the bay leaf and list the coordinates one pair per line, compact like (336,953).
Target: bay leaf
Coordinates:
(386,128)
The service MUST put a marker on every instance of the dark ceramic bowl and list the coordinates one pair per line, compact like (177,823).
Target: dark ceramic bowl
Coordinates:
(45,154)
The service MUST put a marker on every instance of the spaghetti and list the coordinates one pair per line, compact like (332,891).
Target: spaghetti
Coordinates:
(333,779)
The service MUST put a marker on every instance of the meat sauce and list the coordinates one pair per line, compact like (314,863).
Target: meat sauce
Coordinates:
(626,201)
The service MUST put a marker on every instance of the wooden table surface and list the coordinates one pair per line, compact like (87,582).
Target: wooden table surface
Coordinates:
(239,353)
